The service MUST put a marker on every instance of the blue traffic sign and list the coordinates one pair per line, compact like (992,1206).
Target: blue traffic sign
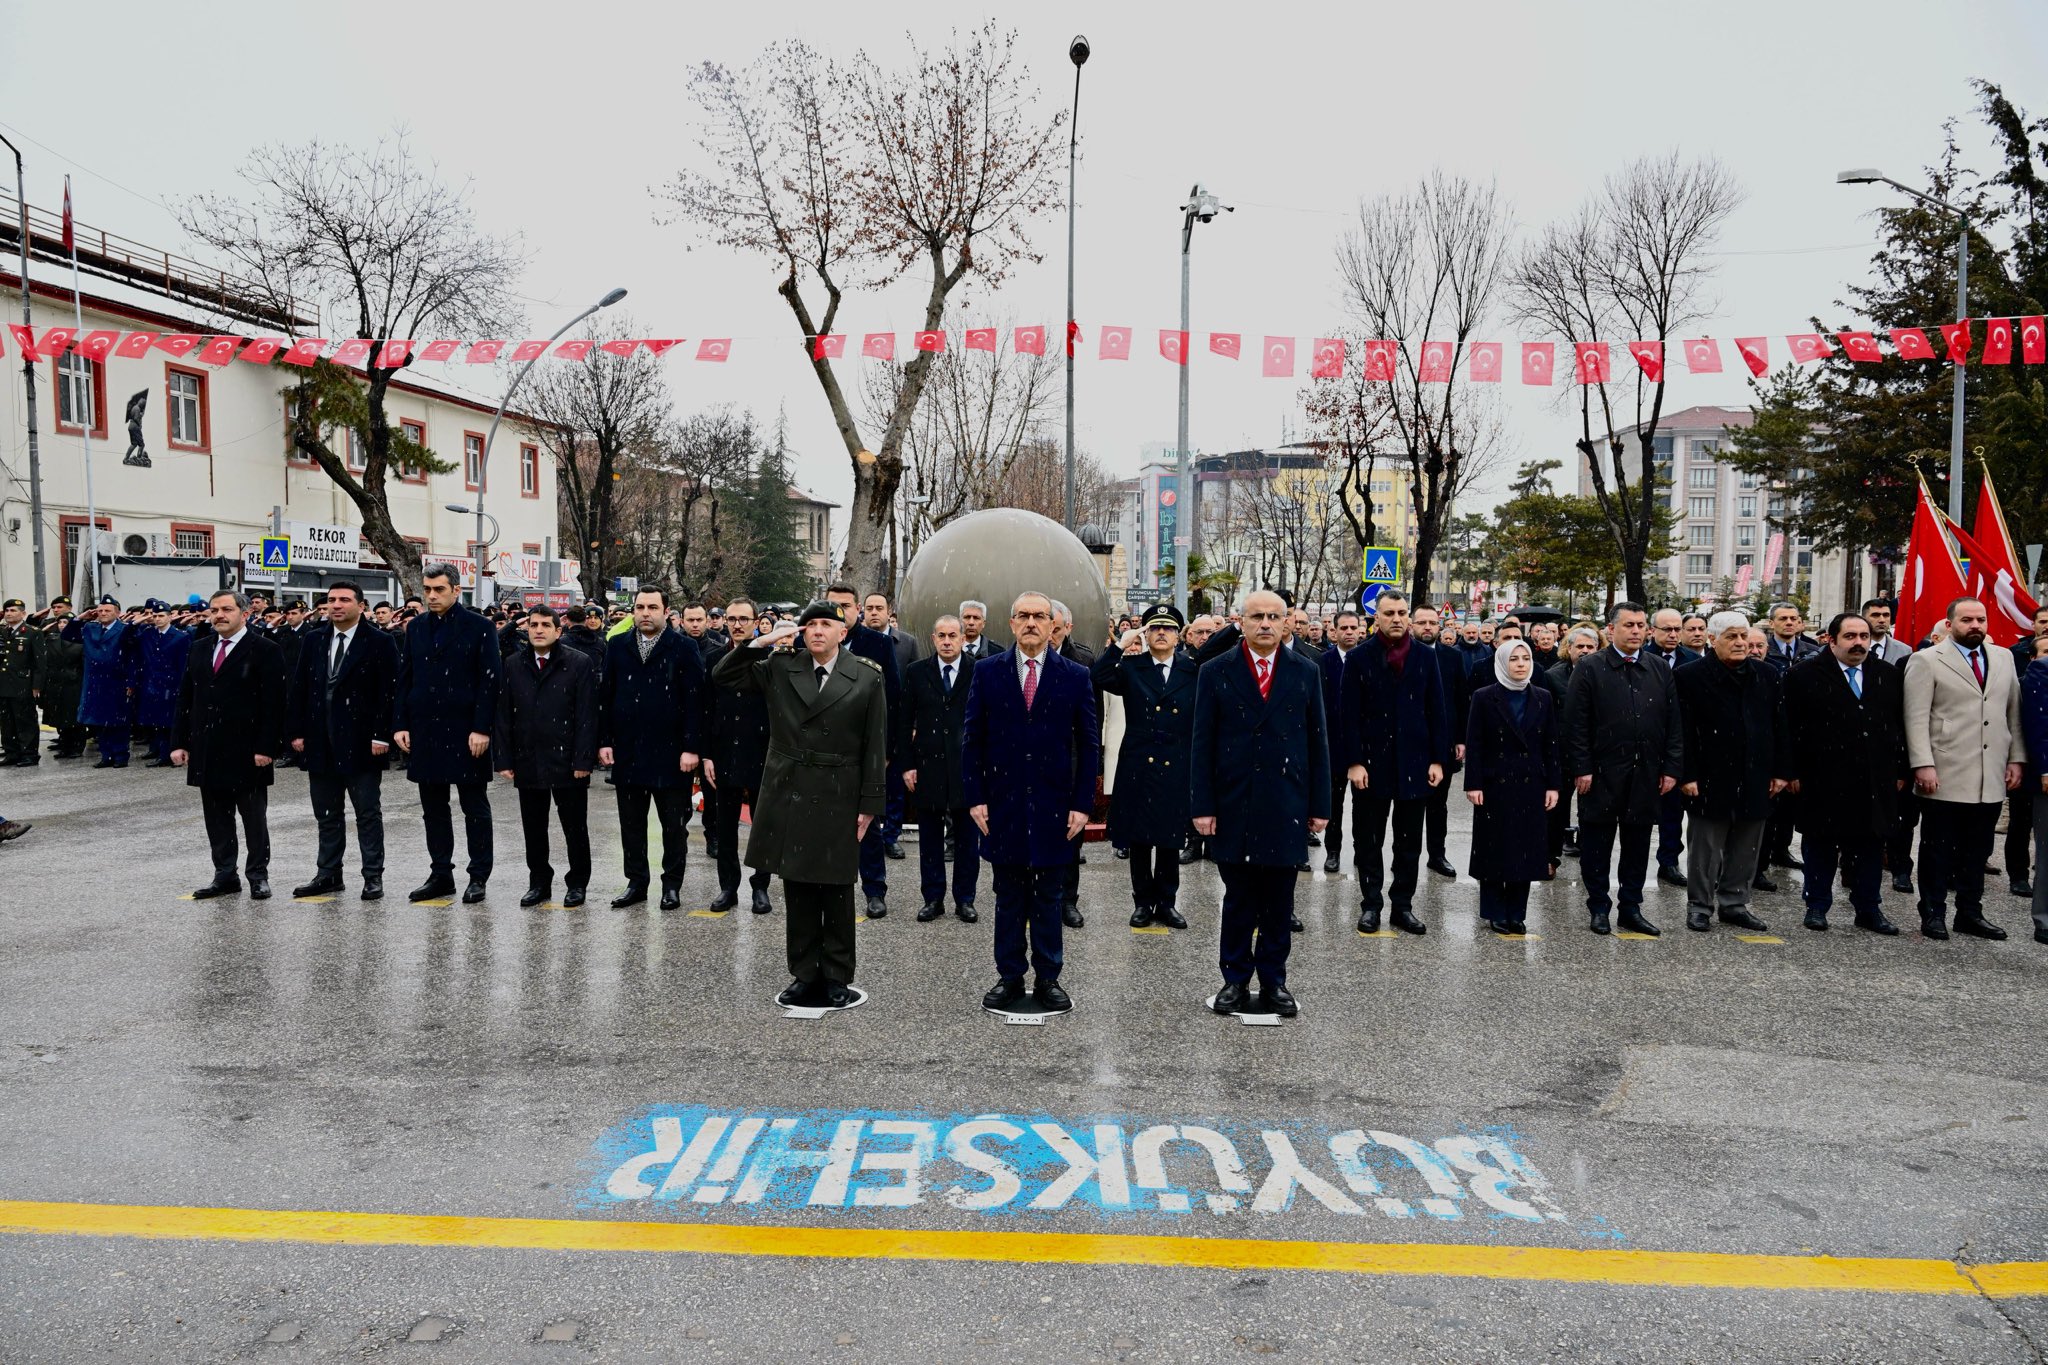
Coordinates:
(1382,564)
(277,552)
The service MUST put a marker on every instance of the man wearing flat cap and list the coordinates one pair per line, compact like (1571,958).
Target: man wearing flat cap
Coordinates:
(1148,810)
(20,650)
(823,785)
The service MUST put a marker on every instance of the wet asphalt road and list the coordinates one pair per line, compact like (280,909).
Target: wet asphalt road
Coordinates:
(1835,1094)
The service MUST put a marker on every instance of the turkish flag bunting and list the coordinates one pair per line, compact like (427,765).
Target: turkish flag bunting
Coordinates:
(528,350)
(1703,356)
(660,346)
(260,351)
(353,351)
(828,346)
(1590,364)
(1173,345)
(1329,361)
(2033,341)
(24,337)
(1911,343)
(1755,353)
(97,345)
(1484,365)
(879,346)
(981,338)
(1808,346)
(1229,345)
(393,353)
(1114,343)
(929,341)
(1931,578)
(219,350)
(714,349)
(482,352)
(179,344)
(305,351)
(438,352)
(1279,357)
(1435,368)
(1539,362)
(1028,340)
(1859,345)
(1998,341)
(1649,358)
(572,350)
(57,340)
(622,347)
(1956,336)
(135,345)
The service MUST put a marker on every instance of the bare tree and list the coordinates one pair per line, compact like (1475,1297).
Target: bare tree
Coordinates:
(1037,482)
(1422,267)
(385,246)
(709,458)
(1288,525)
(858,175)
(1631,265)
(1349,419)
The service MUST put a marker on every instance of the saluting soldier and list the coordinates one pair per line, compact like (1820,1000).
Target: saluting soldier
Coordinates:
(60,673)
(823,785)
(1149,811)
(19,652)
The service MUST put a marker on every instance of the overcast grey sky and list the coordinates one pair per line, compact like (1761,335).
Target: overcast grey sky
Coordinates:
(566,117)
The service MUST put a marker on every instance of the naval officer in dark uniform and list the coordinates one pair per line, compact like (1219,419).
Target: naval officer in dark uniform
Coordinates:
(823,785)
(1149,808)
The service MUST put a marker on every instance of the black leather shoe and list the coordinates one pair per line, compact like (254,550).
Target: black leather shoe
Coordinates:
(1762,883)
(1051,996)
(2023,889)
(1404,919)
(153,763)
(1597,922)
(761,904)
(1141,916)
(534,895)
(1902,881)
(1330,864)
(837,995)
(373,888)
(109,763)
(474,892)
(793,993)
(632,895)
(877,907)
(1933,928)
(1442,867)
(1788,862)
(893,851)
(1742,919)
(1816,920)
(965,913)
(259,890)
(1232,999)
(671,898)
(1878,924)
(319,886)
(1188,855)
(722,902)
(573,897)
(930,911)
(1368,921)
(1169,917)
(1003,994)
(1504,927)
(1632,921)
(1071,917)
(1976,926)
(432,889)
(1315,841)
(219,886)
(1277,1000)
(1670,875)
(1294,925)
(2040,933)
(1304,867)
(1699,921)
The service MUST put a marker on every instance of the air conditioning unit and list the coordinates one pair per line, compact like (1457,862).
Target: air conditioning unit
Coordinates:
(135,546)
(162,545)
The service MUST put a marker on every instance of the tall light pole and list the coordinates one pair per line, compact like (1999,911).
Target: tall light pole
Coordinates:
(28,379)
(482,593)
(1867,176)
(1077,53)
(1202,207)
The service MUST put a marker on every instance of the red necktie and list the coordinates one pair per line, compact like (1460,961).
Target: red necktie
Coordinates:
(220,653)
(1977,667)
(1030,682)
(1265,672)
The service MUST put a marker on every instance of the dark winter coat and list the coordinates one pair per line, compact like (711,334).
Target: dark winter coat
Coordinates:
(1735,740)
(876,646)
(338,719)
(225,719)
(1803,647)
(111,664)
(1151,802)
(1395,724)
(546,732)
(1512,763)
(60,675)
(1458,687)
(1332,665)
(938,722)
(1261,765)
(651,714)
(1621,725)
(735,736)
(161,656)
(1849,757)
(1030,768)
(448,677)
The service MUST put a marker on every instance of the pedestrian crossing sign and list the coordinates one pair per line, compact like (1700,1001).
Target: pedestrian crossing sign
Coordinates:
(1382,564)
(277,552)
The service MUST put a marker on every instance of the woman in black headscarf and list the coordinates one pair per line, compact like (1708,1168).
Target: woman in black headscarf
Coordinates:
(1512,781)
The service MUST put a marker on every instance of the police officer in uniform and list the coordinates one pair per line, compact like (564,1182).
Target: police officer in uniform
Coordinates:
(20,651)
(1149,811)
(823,786)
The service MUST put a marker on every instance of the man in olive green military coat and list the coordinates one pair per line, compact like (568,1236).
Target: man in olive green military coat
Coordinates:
(823,784)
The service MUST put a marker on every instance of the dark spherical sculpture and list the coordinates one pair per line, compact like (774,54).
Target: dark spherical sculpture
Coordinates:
(991,557)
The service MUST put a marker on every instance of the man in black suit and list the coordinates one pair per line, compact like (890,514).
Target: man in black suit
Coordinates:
(1260,786)
(340,727)
(1426,624)
(935,694)
(1667,642)
(447,703)
(650,716)
(973,616)
(875,614)
(1067,647)
(1345,629)
(545,744)
(1397,742)
(735,741)
(228,735)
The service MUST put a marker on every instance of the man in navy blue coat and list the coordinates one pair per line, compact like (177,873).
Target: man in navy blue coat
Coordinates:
(650,708)
(880,649)
(1345,629)
(1396,746)
(1260,786)
(1028,761)
(447,705)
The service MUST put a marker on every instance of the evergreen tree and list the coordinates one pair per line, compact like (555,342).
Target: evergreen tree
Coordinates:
(779,568)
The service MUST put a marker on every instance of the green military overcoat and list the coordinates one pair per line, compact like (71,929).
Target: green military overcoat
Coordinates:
(828,759)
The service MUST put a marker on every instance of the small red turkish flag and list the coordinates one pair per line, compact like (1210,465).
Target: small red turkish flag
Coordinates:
(1484,365)
(97,345)
(1808,347)
(24,338)
(179,344)
(1912,344)
(528,350)
(1279,357)
(714,349)
(1329,361)
(622,347)
(1029,340)
(1539,362)
(219,350)
(879,346)
(438,352)
(305,351)
(2033,341)
(828,346)
(1998,341)
(1755,353)
(1590,364)
(929,341)
(573,350)
(981,339)
(1435,368)
(135,345)
(661,346)
(1956,336)
(393,353)
(262,349)
(1173,345)
(57,340)
(1114,344)
(1649,358)
(1383,360)
(1229,345)
(1859,345)
(352,351)
(1703,356)
(482,352)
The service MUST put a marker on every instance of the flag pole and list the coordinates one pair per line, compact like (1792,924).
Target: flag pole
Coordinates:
(2012,551)
(92,524)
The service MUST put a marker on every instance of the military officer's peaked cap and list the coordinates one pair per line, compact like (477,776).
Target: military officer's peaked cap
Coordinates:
(1163,615)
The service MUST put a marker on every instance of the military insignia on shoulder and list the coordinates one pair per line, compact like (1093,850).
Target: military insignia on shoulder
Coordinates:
(786,647)
(869,662)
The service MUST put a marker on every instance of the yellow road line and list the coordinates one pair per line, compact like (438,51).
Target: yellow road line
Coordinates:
(1679,1269)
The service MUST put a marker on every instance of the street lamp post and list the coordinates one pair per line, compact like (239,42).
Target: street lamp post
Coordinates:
(28,379)
(482,593)
(1867,176)
(1202,206)
(1077,53)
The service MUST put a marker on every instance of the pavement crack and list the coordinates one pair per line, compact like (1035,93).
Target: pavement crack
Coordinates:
(2019,1328)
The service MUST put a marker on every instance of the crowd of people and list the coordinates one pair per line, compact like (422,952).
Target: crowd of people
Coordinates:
(1243,740)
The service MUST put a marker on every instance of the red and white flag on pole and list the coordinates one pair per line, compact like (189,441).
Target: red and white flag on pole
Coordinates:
(1932,579)
(70,239)
(1998,587)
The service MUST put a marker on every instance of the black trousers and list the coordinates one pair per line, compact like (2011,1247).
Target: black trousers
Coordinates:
(1070,886)
(1560,818)
(1436,813)
(1373,812)
(221,807)
(672,805)
(18,728)
(722,825)
(1862,859)
(931,855)
(440,827)
(1955,844)
(1779,828)
(1029,898)
(1341,792)
(1258,904)
(1898,850)
(1671,829)
(572,807)
(1596,858)
(1504,902)
(2019,823)
(1155,875)
(820,929)
(365,792)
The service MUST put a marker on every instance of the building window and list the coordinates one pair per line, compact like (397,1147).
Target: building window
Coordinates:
(531,547)
(1705,452)
(473,461)
(1697,588)
(73,529)
(1661,447)
(1744,561)
(1699,507)
(1697,564)
(1699,533)
(188,538)
(185,400)
(1745,535)
(1746,507)
(529,471)
(81,386)
(1707,477)
(416,432)
(353,457)
(1750,480)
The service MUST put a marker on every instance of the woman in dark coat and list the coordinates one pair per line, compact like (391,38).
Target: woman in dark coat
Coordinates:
(1149,811)
(1512,781)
